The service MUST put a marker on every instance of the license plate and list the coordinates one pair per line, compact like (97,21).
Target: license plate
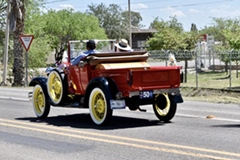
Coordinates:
(146,94)
(117,104)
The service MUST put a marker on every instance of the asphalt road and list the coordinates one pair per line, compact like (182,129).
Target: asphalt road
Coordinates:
(131,135)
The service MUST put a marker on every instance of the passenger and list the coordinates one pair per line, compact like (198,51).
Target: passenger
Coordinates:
(122,46)
(90,45)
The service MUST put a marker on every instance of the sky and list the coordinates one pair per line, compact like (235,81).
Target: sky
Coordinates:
(199,12)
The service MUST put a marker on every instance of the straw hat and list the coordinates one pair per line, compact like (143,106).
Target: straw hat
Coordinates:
(123,45)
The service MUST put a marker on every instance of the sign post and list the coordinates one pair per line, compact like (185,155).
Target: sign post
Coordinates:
(26,42)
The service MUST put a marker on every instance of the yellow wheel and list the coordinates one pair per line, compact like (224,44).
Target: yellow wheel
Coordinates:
(164,107)
(99,107)
(55,87)
(40,105)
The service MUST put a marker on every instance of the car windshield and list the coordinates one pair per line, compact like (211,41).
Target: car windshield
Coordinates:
(78,47)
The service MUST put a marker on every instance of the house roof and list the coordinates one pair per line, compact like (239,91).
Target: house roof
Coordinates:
(141,30)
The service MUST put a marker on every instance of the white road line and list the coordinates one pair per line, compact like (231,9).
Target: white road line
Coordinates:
(218,119)
(15,98)
(229,120)
(188,115)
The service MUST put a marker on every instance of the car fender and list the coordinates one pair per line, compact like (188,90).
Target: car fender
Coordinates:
(108,84)
(59,70)
(42,81)
(39,80)
(177,98)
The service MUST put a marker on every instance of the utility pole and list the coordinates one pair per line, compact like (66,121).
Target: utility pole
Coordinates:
(130,30)
(6,47)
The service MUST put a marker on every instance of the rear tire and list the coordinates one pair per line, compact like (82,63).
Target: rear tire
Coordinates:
(40,105)
(164,107)
(99,106)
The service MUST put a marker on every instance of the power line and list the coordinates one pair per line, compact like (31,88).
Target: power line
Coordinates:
(55,1)
(175,6)
(197,4)
(185,5)
(146,2)
(121,4)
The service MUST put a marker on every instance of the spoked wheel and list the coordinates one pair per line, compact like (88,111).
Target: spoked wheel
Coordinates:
(164,107)
(99,107)
(40,105)
(55,87)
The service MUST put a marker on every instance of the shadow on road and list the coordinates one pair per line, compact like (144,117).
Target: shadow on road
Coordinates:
(227,126)
(84,121)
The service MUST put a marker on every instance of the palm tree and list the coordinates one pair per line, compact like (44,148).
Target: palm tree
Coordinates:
(17,17)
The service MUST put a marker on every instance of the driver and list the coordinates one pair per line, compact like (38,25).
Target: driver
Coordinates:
(90,45)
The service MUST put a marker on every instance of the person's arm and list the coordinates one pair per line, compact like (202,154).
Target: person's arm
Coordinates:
(76,60)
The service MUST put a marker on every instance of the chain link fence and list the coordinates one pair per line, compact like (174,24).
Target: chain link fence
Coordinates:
(200,68)
(205,68)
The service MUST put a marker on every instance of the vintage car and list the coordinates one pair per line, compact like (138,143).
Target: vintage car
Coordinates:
(106,81)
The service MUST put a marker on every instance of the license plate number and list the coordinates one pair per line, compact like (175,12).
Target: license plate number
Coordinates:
(146,94)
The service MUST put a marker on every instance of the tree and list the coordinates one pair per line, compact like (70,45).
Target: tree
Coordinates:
(189,41)
(170,36)
(174,24)
(193,27)
(40,48)
(3,13)
(233,38)
(166,39)
(218,26)
(110,18)
(223,55)
(70,25)
(158,24)
(34,23)
(136,18)
(3,6)
(220,29)
(17,16)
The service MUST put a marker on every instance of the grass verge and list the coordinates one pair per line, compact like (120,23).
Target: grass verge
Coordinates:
(212,86)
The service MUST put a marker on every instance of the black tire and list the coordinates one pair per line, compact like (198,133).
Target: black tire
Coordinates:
(41,106)
(164,107)
(56,88)
(99,106)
